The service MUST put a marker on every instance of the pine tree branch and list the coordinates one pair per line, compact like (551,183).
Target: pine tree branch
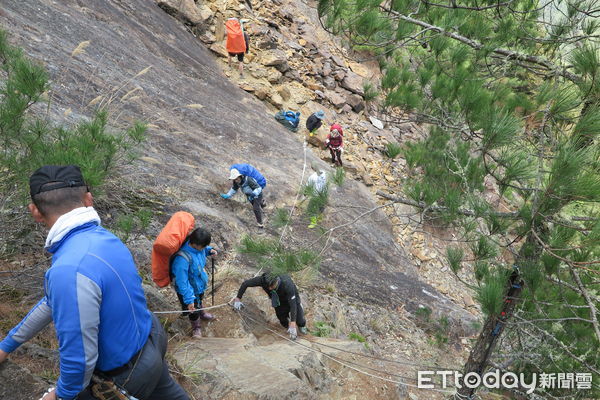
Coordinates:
(423,206)
(559,343)
(456,7)
(509,54)
(586,296)
(572,287)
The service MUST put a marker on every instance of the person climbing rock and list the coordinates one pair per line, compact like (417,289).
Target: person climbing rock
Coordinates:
(335,144)
(190,277)
(237,42)
(94,296)
(318,179)
(284,298)
(314,121)
(243,179)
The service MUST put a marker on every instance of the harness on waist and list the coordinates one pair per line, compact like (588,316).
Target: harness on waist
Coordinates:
(104,389)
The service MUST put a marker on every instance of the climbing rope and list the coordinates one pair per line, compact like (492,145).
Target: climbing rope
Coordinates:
(304,147)
(333,358)
(429,367)
(188,311)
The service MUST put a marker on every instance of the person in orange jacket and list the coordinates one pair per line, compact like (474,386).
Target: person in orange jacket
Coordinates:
(335,143)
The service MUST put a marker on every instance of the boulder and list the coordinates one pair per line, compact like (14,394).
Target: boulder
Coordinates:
(329,82)
(186,10)
(261,93)
(274,58)
(376,123)
(339,75)
(284,92)
(335,98)
(346,108)
(356,102)
(276,100)
(219,49)
(354,83)
(274,76)
(316,141)
(207,37)
(326,71)
(339,61)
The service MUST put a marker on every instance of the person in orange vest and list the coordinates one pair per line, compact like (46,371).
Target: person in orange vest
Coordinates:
(237,42)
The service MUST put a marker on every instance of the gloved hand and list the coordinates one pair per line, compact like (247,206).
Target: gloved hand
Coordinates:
(341,149)
(237,304)
(225,196)
(293,332)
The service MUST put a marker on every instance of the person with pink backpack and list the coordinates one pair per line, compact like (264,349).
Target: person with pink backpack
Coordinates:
(335,144)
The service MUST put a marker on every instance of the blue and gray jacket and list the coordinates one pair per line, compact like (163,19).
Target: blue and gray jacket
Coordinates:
(190,277)
(249,170)
(249,187)
(94,295)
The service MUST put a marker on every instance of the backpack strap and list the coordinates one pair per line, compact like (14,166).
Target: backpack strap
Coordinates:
(182,253)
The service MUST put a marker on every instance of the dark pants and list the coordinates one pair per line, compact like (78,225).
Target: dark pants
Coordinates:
(149,377)
(257,205)
(283,314)
(336,156)
(197,304)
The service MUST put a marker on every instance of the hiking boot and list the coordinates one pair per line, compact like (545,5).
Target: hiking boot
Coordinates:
(196,331)
(303,330)
(206,316)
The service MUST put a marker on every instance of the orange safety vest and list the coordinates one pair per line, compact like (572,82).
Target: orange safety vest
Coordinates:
(235,36)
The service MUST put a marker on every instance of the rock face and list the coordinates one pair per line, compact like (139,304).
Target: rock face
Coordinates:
(17,383)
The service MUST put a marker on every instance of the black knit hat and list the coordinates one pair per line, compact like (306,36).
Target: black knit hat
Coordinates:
(52,177)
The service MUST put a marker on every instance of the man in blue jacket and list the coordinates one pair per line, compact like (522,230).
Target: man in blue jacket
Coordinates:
(94,296)
(251,182)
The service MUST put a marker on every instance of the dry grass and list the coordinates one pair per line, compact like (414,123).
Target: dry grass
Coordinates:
(80,48)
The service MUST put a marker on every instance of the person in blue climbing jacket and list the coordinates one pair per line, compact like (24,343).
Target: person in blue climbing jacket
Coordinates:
(190,277)
(285,299)
(94,296)
(251,182)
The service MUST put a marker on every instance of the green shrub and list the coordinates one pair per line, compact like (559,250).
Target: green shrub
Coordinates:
(281,218)
(359,338)
(29,141)
(370,91)
(277,259)
(322,329)
(338,176)
(392,150)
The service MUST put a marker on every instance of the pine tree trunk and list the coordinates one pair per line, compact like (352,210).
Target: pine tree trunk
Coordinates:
(491,331)
(493,328)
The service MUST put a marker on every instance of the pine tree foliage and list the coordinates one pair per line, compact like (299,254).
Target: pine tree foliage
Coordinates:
(28,140)
(510,92)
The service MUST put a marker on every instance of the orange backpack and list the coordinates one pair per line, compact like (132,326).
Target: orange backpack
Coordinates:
(235,36)
(168,242)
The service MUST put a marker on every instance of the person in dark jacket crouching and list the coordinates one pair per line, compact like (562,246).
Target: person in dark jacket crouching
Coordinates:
(284,298)
(93,294)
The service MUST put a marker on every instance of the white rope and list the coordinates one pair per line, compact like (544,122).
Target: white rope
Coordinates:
(304,146)
(190,311)
(343,363)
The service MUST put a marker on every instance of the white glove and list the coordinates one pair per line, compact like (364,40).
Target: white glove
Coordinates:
(237,305)
(293,333)
(50,390)
(341,149)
